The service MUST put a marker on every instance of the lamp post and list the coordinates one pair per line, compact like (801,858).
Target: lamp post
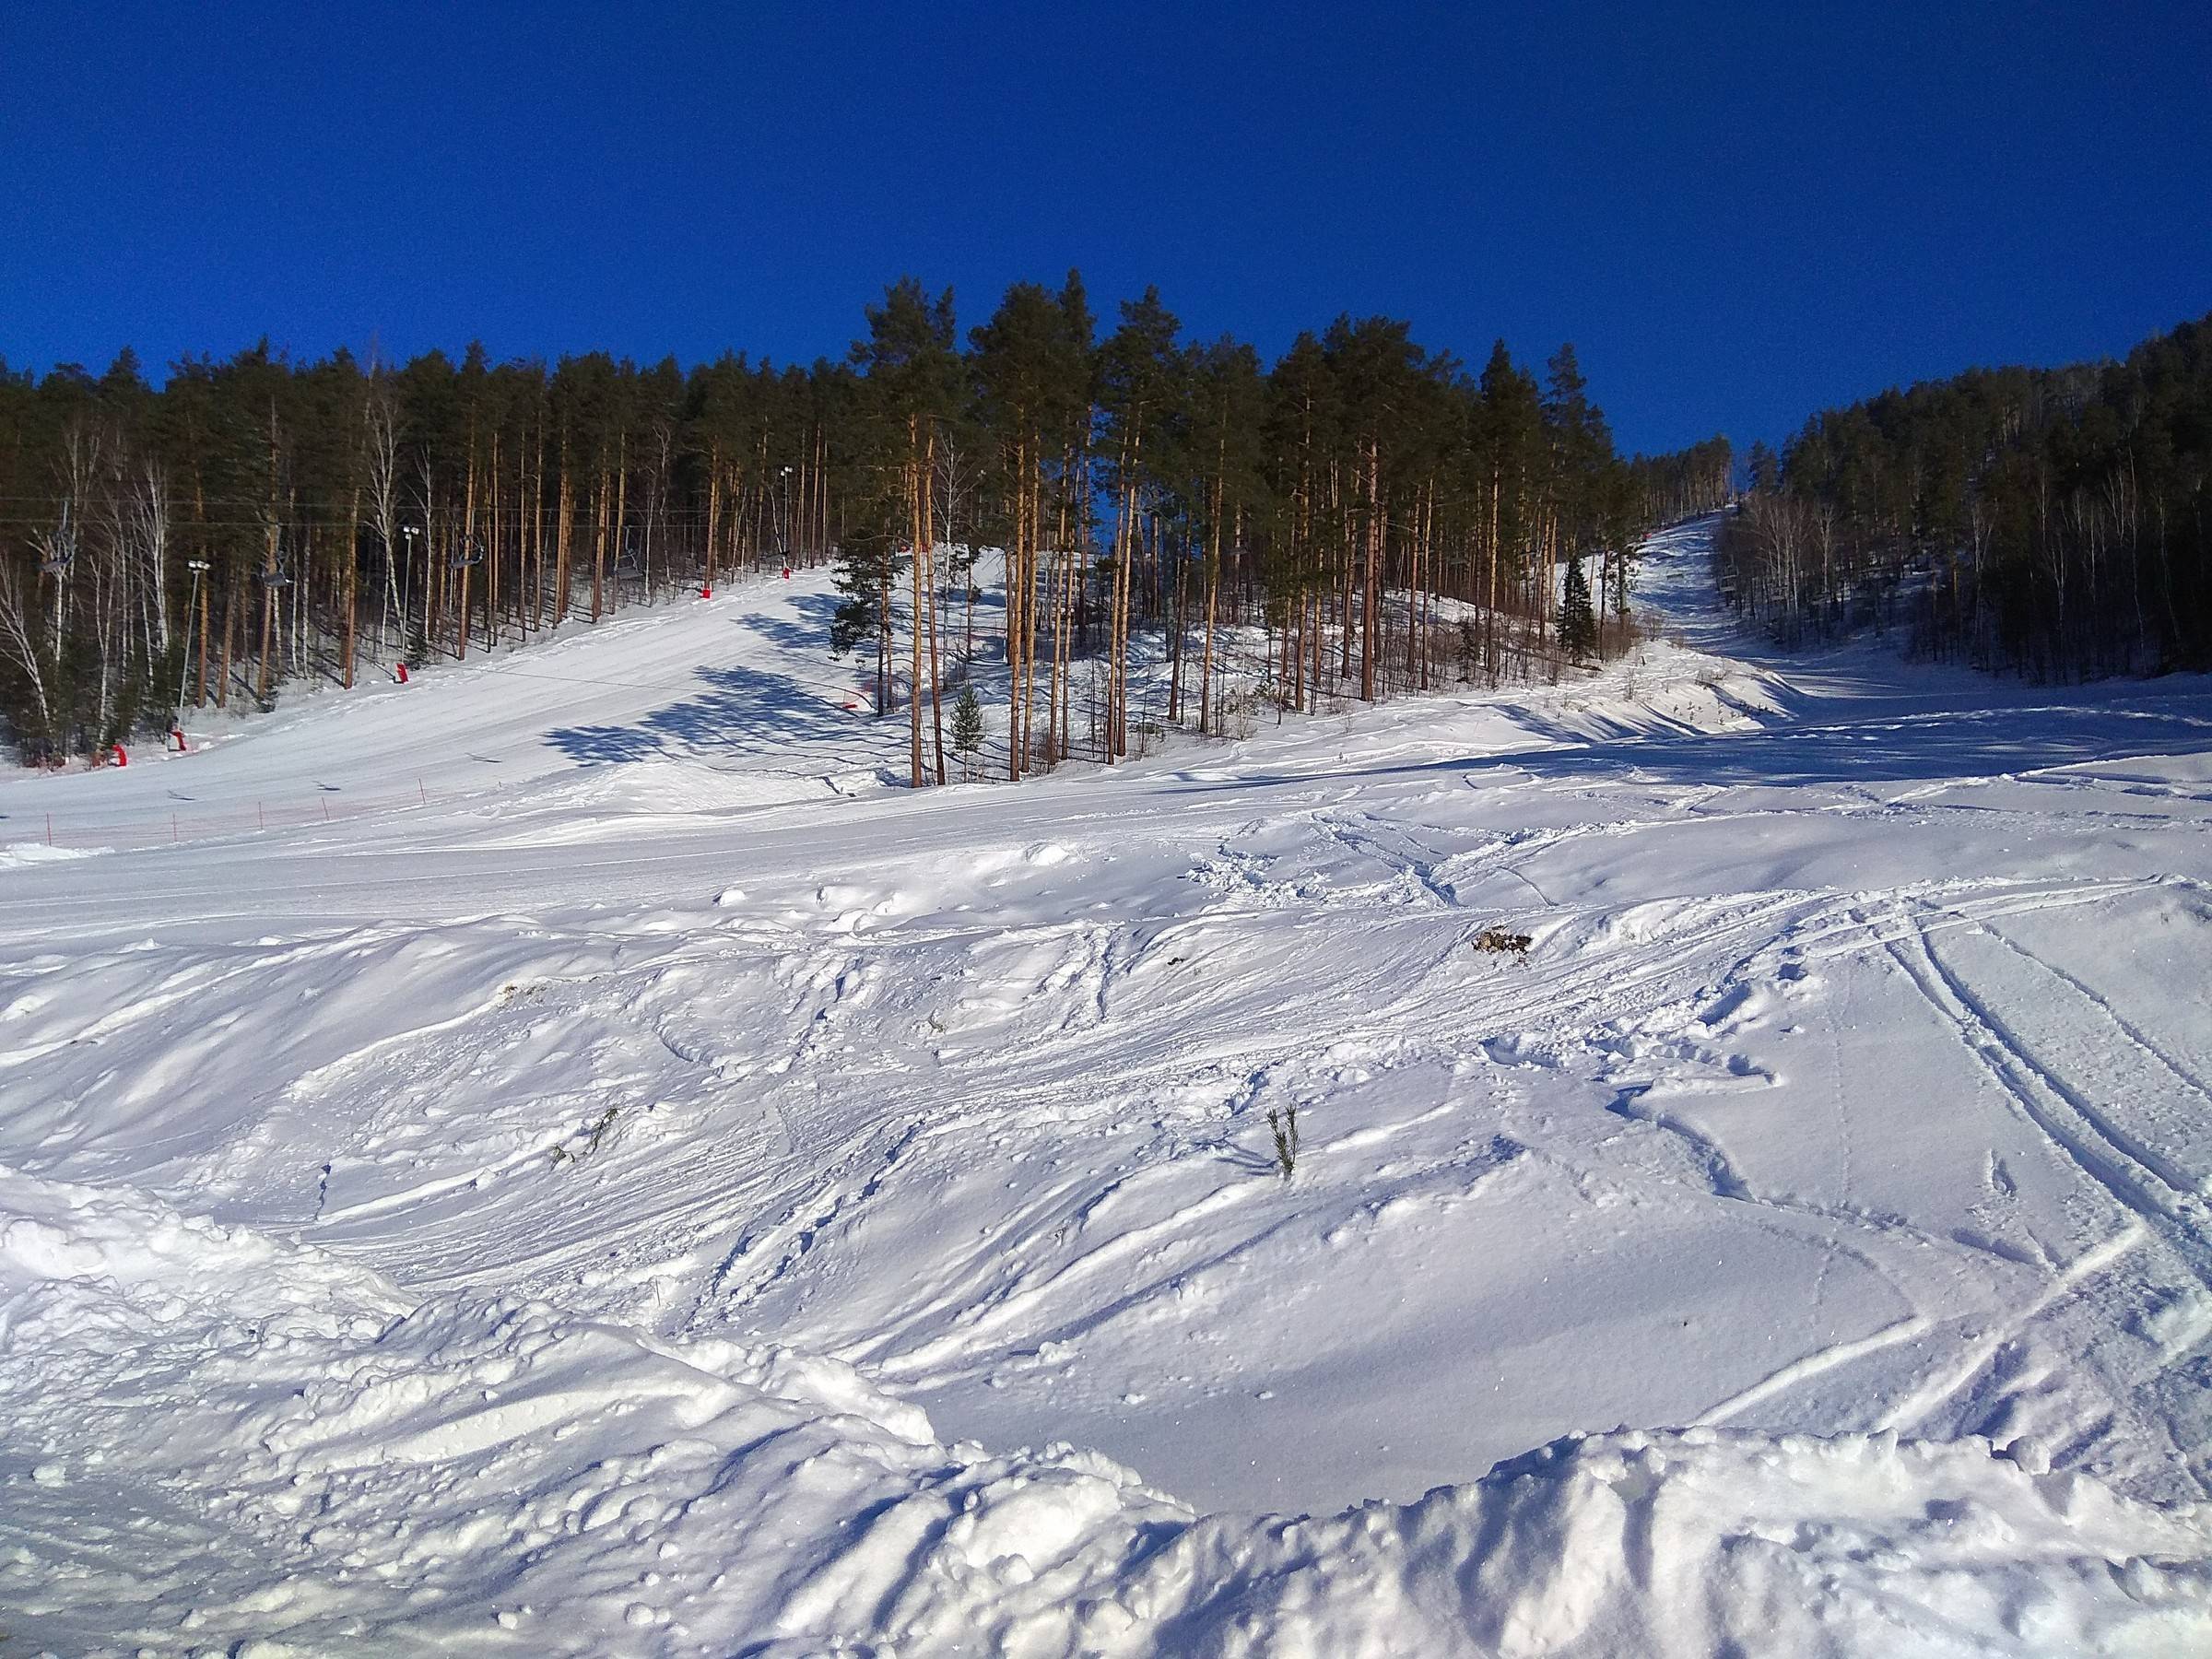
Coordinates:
(787,526)
(198,568)
(410,532)
(384,625)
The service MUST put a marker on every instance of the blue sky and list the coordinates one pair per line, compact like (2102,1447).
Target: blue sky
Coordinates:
(1739,213)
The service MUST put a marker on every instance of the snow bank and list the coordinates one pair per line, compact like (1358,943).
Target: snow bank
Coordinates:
(673,786)
(478,1474)
(18,853)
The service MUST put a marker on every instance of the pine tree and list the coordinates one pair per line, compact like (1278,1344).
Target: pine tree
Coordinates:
(1509,435)
(1378,368)
(1578,622)
(1228,468)
(1021,369)
(913,384)
(1143,387)
(967,725)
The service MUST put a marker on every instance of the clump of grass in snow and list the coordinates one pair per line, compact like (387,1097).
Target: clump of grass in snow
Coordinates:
(1496,941)
(592,1136)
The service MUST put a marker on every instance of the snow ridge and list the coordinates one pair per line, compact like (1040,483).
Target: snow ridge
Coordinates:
(486,1475)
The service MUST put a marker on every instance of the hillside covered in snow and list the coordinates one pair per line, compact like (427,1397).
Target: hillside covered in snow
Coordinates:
(602,1170)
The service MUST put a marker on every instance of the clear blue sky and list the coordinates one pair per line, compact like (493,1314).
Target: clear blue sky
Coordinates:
(1737,212)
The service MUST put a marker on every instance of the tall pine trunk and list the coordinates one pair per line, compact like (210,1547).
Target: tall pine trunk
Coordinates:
(917,531)
(929,585)
(1213,591)
(600,507)
(563,529)
(352,580)
(467,551)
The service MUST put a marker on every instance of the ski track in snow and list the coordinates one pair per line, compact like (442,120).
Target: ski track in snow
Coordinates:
(538,1219)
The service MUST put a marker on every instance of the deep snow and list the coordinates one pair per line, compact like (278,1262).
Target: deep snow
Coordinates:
(610,1202)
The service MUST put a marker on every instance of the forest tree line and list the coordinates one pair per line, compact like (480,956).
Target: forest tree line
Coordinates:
(2052,522)
(1384,514)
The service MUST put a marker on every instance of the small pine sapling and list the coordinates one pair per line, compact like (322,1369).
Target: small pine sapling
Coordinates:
(1283,1125)
(967,725)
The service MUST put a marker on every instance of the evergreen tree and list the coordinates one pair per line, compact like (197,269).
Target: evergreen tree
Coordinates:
(914,383)
(1577,621)
(1301,431)
(966,724)
(1227,484)
(1509,441)
(1023,372)
(1142,378)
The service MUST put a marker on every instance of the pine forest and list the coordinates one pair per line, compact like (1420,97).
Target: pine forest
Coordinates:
(1385,516)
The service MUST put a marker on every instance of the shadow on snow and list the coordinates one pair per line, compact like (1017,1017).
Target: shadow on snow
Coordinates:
(743,710)
(1906,742)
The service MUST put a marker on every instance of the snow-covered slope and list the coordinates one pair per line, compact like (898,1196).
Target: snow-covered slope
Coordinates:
(612,1205)
(723,701)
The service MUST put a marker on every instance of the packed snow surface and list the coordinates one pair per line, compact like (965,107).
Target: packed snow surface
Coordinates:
(635,1183)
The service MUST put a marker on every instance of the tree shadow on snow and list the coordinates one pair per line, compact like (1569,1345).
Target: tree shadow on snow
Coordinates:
(742,712)
(1903,744)
(808,632)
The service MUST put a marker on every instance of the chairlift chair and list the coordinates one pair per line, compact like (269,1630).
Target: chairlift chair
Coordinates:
(61,551)
(61,546)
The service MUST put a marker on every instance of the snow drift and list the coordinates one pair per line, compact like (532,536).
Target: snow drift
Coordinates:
(488,1474)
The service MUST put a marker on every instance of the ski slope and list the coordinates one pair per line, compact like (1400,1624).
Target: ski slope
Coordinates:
(664,1191)
(739,693)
